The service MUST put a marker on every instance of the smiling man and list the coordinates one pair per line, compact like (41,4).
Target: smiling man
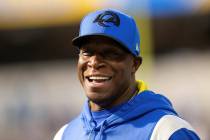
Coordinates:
(118,106)
(107,72)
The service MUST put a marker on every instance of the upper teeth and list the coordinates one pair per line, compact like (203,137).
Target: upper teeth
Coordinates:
(98,78)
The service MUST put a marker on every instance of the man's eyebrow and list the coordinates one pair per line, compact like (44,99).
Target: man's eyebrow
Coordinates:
(113,50)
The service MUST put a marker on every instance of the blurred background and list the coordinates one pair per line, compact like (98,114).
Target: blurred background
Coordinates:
(39,90)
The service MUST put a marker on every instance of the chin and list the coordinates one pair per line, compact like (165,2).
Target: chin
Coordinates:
(95,97)
(99,99)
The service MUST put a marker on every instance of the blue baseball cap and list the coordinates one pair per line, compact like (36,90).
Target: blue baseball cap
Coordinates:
(112,24)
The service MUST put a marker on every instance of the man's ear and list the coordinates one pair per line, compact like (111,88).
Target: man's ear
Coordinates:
(137,61)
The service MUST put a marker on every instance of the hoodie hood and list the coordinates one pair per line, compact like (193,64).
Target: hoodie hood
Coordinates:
(146,102)
(142,104)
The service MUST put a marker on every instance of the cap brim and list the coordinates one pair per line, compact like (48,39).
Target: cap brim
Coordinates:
(78,41)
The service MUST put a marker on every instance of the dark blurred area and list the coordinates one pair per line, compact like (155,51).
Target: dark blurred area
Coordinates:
(182,32)
(39,90)
(37,44)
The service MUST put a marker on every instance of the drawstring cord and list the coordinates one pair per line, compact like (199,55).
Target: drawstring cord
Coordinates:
(90,135)
(103,126)
(100,134)
(90,127)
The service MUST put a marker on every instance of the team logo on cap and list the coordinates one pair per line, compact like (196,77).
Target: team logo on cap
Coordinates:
(107,19)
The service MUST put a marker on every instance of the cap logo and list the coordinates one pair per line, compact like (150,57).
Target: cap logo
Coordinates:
(107,19)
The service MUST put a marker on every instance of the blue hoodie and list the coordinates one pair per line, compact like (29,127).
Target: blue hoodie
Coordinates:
(148,116)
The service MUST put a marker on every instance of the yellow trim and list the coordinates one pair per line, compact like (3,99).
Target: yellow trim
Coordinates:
(141,86)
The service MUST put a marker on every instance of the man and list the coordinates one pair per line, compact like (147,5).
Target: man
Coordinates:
(118,105)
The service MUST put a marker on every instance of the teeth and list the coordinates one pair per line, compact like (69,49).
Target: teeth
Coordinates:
(99,78)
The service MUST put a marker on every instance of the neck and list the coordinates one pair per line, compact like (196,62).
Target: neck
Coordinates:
(129,93)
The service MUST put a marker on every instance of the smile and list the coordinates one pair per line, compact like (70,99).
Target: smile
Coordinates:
(98,78)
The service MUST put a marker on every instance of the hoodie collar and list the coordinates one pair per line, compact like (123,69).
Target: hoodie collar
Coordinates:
(146,101)
(141,85)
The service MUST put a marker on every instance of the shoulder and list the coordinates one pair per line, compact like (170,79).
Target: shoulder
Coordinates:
(61,131)
(59,134)
(171,127)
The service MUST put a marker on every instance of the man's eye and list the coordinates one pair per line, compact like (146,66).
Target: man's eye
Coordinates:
(85,53)
(112,54)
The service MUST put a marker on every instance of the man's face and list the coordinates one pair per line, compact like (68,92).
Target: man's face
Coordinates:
(105,70)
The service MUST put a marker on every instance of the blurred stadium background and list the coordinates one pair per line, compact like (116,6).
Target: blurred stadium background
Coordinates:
(39,90)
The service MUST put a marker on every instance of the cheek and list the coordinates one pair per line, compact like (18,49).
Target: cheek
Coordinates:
(81,66)
(125,69)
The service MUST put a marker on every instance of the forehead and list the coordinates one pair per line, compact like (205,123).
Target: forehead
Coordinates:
(101,43)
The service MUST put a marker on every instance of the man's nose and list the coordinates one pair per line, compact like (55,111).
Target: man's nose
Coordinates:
(96,62)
